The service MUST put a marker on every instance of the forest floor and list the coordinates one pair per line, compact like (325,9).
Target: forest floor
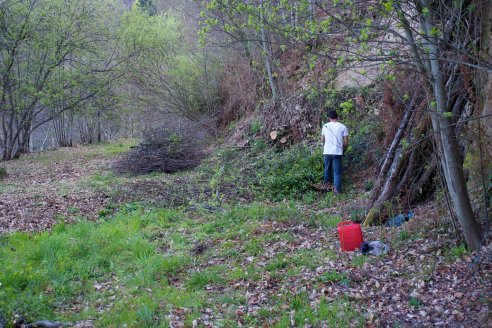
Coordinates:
(82,245)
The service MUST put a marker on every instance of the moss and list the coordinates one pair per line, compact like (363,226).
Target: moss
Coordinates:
(371,217)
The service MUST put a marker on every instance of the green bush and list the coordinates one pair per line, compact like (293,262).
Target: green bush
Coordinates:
(3,173)
(365,129)
(363,145)
(255,126)
(291,173)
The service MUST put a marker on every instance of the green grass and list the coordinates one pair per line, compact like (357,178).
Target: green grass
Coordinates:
(359,260)
(312,258)
(404,235)
(333,277)
(42,273)
(112,149)
(255,126)
(51,160)
(198,280)
(455,253)
(135,266)
(8,188)
(331,314)
(61,155)
(268,173)
(103,181)
(253,247)
(138,263)
(324,221)
(415,302)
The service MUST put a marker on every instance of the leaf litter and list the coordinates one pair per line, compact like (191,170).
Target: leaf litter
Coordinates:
(416,284)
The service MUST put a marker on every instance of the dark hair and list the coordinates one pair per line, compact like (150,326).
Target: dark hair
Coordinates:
(333,114)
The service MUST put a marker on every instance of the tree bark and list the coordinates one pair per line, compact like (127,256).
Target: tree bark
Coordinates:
(451,161)
(267,56)
(390,155)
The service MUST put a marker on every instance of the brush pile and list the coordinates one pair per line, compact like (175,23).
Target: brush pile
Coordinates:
(166,149)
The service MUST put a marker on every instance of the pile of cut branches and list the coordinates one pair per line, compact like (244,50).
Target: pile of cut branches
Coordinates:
(166,149)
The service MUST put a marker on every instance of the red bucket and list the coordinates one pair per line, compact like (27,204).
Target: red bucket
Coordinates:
(350,235)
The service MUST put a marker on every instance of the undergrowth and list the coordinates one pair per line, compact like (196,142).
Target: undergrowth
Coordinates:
(269,173)
(290,174)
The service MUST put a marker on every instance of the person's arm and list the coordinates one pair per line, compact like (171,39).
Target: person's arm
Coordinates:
(323,139)
(345,138)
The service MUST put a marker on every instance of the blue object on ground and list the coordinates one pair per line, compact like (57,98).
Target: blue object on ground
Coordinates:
(399,220)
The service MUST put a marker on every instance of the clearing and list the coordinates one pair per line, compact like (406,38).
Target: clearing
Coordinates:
(197,249)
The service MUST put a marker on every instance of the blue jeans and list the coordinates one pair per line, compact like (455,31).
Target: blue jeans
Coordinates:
(335,162)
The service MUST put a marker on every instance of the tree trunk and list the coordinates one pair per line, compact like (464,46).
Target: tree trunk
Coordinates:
(451,161)
(387,192)
(99,126)
(484,111)
(390,155)
(24,142)
(267,58)
(401,161)
(59,128)
(70,127)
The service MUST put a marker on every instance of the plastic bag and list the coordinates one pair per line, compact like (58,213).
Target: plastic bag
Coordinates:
(374,248)
(399,220)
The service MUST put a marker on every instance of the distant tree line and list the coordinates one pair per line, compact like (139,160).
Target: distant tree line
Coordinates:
(74,71)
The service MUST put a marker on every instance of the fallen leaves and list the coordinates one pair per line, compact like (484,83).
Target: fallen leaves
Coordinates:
(42,188)
(416,284)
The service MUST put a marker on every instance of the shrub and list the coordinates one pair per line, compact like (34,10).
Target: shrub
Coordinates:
(255,126)
(3,173)
(363,145)
(291,173)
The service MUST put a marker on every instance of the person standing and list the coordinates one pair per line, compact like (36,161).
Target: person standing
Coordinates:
(334,136)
